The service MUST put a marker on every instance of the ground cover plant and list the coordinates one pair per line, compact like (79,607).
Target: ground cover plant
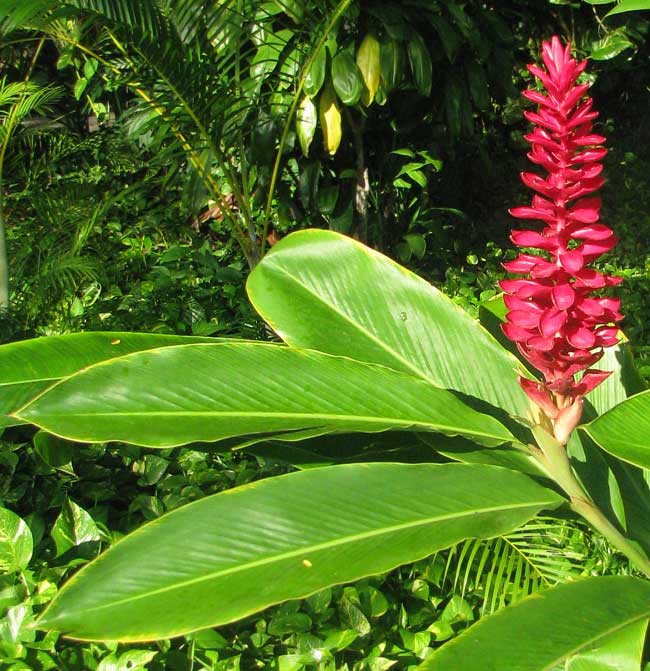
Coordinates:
(369,347)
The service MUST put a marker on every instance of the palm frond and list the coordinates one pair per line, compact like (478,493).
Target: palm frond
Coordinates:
(27,97)
(23,13)
(503,570)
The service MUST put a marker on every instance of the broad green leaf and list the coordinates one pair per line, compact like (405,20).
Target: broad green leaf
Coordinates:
(369,62)
(306,123)
(176,395)
(73,526)
(392,64)
(629,6)
(545,629)
(610,46)
(349,448)
(346,78)
(468,452)
(16,542)
(421,66)
(622,651)
(30,366)
(619,489)
(316,75)
(624,431)
(52,450)
(325,291)
(478,85)
(623,382)
(221,558)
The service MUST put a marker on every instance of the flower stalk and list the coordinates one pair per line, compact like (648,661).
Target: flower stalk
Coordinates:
(556,315)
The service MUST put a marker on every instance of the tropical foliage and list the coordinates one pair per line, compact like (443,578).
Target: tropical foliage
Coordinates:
(349,475)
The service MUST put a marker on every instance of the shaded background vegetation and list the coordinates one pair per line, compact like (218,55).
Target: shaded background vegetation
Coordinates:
(150,168)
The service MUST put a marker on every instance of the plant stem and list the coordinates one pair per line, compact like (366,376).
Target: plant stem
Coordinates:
(555,460)
(597,519)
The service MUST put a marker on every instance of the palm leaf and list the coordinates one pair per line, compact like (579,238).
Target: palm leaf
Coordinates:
(503,570)
(203,68)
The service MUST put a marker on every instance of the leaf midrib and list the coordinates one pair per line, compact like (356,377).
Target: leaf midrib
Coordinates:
(18,383)
(306,551)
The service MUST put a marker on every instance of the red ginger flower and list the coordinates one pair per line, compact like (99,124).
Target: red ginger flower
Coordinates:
(556,322)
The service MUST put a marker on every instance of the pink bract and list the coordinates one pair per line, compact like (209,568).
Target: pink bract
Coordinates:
(555,319)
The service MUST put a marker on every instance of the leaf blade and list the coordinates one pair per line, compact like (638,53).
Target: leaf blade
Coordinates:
(28,367)
(624,431)
(232,389)
(505,640)
(284,538)
(363,305)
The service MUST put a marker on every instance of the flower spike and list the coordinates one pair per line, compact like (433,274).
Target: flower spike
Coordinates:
(554,319)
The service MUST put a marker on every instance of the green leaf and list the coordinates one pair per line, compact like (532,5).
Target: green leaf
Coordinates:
(619,489)
(611,45)
(131,660)
(478,86)
(295,9)
(232,554)
(543,630)
(306,121)
(622,651)
(623,382)
(80,87)
(176,395)
(421,66)
(346,78)
(363,305)
(16,543)
(624,431)
(52,450)
(392,64)
(629,6)
(73,527)
(316,75)
(30,366)
(468,452)
(450,40)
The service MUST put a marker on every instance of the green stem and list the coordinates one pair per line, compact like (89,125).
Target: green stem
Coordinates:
(554,458)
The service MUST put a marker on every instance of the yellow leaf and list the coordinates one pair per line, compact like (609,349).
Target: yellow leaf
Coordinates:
(329,114)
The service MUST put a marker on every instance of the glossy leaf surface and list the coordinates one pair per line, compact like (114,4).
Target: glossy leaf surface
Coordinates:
(16,542)
(231,554)
(73,526)
(177,395)
(346,78)
(622,651)
(629,6)
(322,290)
(545,629)
(30,366)
(624,431)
